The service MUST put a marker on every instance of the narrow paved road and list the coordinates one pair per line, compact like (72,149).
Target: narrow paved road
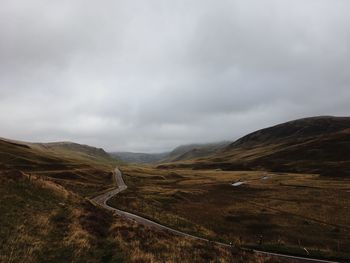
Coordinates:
(121,186)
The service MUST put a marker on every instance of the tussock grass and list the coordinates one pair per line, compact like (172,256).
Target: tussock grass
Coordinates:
(45,216)
(46,223)
(43,222)
(288,210)
(142,244)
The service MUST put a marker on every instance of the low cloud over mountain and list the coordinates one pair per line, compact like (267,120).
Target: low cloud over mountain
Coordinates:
(151,75)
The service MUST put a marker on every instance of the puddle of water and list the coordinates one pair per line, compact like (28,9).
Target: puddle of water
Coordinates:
(238,183)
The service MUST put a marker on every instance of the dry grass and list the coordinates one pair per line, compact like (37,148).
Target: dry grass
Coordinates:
(141,244)
(43,222)
(290,211)
(313,145)
(83,173)
(46,218)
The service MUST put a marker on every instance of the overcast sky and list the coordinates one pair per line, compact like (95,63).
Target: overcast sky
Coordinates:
(149,75)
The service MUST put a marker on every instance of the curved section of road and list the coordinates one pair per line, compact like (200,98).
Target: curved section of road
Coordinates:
(121,186)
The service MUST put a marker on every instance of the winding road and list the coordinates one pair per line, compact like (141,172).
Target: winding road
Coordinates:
(121,186)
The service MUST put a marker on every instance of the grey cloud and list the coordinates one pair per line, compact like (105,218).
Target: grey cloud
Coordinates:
(149,75)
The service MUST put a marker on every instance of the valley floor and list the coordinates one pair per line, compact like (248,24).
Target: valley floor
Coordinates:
(44,221)
(280,212)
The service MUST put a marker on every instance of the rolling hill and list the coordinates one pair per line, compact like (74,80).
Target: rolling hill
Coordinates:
(47,185)
(180,153)
(80,167)
(47,217)
(71,148)
(311,145)
(141,158)
(191,151)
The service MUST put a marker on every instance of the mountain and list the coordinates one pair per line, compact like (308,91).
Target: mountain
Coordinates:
(311,145)
(73,164)
(71,148)
(142,158)
(191,151)
(45,216)
(294,131)
(180,153)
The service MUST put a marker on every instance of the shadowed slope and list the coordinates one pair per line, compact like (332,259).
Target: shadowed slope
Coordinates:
(143,158)
(45,216)
(191,151)
(180,153)
(81,168)
(312,145)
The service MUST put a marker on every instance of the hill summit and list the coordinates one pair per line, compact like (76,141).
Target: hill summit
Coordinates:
(310,145)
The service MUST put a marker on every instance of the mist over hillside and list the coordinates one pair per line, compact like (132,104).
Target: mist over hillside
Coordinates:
(182,152)
(311,145)
(142,158)
(185,131)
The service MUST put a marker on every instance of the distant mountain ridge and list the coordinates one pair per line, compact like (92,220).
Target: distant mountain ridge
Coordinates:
(20,154)
(141,158)
(309,145)
(182,152)
(295,130)
(190,151)
(83,149)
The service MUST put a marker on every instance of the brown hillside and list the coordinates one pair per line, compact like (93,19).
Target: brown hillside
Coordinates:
(313,145)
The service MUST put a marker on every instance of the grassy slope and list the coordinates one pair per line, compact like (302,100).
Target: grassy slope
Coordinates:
(313,145)
(85,174)
(192,151)
(180,153)
(43,222)
(45,216)
(70,149)
(46,187)
(289,210)
(141,158)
